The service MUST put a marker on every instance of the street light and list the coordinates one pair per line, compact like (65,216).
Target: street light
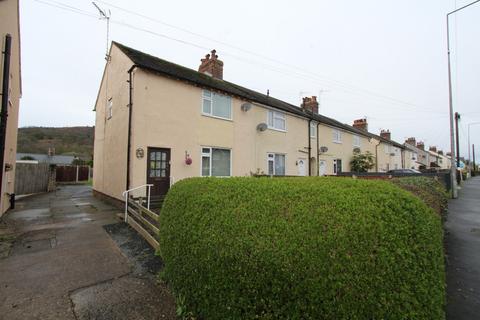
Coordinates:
(453,169)
(469,146)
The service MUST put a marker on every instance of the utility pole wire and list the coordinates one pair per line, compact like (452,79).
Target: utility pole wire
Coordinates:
(344,87)
(323,78)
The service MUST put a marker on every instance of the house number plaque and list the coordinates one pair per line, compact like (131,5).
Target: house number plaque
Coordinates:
(140,153)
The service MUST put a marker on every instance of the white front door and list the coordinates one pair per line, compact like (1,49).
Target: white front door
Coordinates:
(301,163)
(322,167)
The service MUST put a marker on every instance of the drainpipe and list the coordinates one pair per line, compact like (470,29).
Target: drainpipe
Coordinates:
(4,110)
(318,150)
(376,155)
(309,148)
(129,138)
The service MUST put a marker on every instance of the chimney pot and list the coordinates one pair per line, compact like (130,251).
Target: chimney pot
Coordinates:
(310,104)
(385,134)
(361,124)
(211,65)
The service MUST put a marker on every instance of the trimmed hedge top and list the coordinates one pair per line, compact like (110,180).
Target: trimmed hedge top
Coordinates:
(302,248)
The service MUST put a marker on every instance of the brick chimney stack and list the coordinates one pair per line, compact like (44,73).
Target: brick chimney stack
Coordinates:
(361,124)
(421,145)
(411,141)
(211,65)
(385,134)
(440,152)
(310,104)
(433,148)
(51,152)
(449,154)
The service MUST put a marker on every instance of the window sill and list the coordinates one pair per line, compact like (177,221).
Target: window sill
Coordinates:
(275,129)
(215,117)
(337,142)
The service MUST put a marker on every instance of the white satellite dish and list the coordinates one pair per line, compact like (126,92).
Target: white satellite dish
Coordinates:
(262,127)
(246,106)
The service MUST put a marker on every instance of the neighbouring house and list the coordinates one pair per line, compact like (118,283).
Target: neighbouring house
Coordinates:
(11,89)
(418,152)
(47,158)
(158,122)
(388,154)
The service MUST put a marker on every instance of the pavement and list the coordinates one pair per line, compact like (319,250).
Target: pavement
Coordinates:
(462,236)
(65,255)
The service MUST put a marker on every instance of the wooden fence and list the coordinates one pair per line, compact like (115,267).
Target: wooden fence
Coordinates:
(72,173)
(33,178)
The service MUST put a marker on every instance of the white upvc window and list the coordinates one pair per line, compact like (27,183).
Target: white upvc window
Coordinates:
(387,148)
(109,108)
(414,156)
(313,130)
(216,105)
(356,141)
(216,162)
(277,120)
(337,136)
(337,166)
(276,164)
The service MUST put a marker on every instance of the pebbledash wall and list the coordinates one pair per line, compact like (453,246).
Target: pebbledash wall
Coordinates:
(9,24)
(167,113)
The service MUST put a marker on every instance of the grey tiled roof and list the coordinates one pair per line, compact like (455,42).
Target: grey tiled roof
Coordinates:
(173,70)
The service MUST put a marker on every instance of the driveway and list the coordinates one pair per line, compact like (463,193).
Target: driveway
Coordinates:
(463,253)
(63,264)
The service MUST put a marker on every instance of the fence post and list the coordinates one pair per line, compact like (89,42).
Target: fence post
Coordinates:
(76,177)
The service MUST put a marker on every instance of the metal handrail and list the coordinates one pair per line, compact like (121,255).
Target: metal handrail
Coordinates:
(126,192)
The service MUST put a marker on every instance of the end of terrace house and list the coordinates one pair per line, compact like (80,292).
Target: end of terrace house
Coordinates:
(158,122)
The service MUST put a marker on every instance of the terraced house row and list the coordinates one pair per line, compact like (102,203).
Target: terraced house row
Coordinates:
(158,122)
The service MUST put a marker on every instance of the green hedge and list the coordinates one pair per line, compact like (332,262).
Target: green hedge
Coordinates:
(429,190)
(302,248)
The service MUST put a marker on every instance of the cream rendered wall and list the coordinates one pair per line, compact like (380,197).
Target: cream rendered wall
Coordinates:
(386,161)
(411,158)
(110,146)
(167,114)
(9,24)
(343,150)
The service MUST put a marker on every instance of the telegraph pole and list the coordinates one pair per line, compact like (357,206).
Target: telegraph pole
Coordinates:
(473,151)
(453,169)
(457,117)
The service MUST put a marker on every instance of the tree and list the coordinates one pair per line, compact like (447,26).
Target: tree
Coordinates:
(362,162)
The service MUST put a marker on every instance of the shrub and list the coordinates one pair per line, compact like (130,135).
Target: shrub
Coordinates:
(429,190)
(302,248)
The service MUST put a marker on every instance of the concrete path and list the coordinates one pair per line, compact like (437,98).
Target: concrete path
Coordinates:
(64,265)
(463,252)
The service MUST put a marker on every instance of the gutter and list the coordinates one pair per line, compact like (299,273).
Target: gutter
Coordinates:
(4,110)
(309,149)
(318,150)
(129,138)
(376,155)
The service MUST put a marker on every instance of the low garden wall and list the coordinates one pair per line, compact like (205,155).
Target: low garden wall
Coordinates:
(302,248)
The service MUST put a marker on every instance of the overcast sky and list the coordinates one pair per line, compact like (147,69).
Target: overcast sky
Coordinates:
(381,59)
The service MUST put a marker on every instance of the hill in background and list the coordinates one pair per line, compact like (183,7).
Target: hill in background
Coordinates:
(76,141)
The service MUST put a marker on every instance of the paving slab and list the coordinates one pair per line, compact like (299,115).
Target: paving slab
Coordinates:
(462,237)
(63,264)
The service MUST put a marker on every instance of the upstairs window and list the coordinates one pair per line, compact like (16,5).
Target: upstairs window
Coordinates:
(276,164)
(313,130)
(217,105)
(356,141)
(276,120)
(109,108)
(337,136)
